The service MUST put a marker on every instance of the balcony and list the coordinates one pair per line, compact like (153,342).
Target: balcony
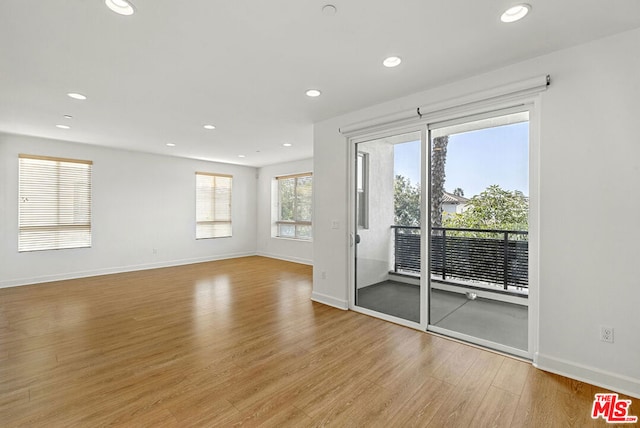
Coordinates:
(478,288)
(492,260)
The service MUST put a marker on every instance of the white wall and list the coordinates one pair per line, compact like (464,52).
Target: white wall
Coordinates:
(374,250)
(141,202)
(280,248)
(590,149)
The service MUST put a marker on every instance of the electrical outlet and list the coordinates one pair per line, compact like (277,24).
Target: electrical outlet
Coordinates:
(606,334)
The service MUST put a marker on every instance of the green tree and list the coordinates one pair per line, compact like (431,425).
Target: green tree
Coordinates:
(406,200)
(494,208)
(458,191)
(286,198)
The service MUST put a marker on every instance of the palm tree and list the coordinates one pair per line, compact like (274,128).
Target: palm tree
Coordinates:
(438,161)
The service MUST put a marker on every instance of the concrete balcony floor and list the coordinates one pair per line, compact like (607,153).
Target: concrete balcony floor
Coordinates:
(496,321)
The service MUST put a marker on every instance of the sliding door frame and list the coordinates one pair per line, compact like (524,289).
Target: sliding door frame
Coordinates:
(529,98)
(353,222)
(530,104)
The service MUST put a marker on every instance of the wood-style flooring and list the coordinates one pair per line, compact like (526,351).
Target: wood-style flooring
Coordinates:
(239,342)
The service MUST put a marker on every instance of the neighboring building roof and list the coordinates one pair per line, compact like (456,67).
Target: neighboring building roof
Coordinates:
(450,198)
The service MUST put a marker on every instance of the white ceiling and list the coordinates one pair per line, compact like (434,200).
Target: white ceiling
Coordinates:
(156,77)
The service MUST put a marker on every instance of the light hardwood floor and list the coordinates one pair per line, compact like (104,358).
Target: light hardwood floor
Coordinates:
(239,342)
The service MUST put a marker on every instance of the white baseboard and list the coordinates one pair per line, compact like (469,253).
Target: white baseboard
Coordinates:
(330,301)
(286,258)
(120,269)
(613,381)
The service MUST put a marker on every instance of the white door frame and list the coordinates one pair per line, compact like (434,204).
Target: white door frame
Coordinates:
(530,102)
(353,227)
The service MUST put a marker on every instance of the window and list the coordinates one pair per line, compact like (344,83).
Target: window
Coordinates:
(362,187)
(54,200)
(294,206)
(213,205)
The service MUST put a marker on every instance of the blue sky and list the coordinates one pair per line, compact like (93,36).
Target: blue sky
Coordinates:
(477,159)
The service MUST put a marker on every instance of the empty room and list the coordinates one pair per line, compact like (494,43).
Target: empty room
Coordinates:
(305,213)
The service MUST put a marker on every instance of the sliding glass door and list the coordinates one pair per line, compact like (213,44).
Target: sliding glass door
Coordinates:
(478,231)
(441,239)
(387,196)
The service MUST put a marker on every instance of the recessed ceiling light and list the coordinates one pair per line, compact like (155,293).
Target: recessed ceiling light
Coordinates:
(63,126)
(77,96)
(121,7)
(170,145)
(313,93)
(329,10)
(287,144)
(392,61)
(68,116)
(515,13)
(209,127)
(241,156)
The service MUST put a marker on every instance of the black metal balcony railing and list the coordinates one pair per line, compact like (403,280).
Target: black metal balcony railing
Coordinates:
(478,255)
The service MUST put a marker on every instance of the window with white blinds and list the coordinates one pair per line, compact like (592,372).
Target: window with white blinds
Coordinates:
(213,205)
(294,206)
(54,200)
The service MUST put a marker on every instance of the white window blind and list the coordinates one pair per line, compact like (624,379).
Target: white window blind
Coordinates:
(54,200)
(294,206)
(213,205)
